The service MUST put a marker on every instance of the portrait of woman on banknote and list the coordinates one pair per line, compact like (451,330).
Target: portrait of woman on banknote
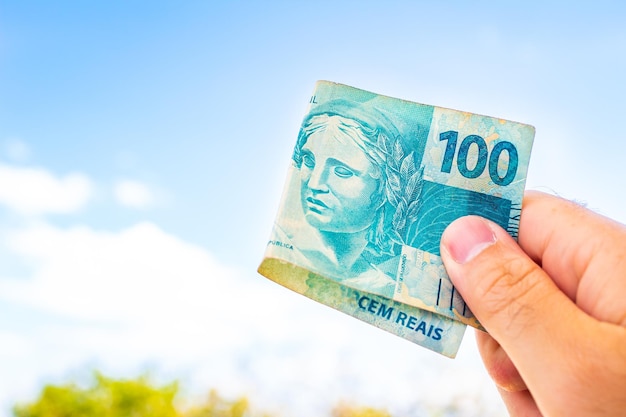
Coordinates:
(343,181)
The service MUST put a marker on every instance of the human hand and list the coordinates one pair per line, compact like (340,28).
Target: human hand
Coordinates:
(554,306)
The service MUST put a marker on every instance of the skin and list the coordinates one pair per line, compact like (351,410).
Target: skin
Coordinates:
(554,306)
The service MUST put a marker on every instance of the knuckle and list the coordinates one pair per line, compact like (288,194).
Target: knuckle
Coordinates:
(503,372)
(506,377)
(509,289)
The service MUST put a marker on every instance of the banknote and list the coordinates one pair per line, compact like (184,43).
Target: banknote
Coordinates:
(373,182)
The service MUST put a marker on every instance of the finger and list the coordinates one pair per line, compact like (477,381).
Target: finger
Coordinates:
(498,364)
(554,345)
(504,288)
(572,243)
(512,297)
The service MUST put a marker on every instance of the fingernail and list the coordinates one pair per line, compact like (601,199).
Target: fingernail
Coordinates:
(465,238)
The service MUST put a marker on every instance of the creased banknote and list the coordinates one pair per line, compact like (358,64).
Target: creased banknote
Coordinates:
(372,184)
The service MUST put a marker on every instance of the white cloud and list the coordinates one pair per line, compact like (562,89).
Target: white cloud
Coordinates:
(141,278)
(102,275)
(121,299)
(133,194)
(36,191)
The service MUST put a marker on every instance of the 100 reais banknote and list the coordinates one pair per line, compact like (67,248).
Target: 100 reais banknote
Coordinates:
(373,182)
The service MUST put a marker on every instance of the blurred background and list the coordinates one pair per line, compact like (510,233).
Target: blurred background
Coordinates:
(143,149)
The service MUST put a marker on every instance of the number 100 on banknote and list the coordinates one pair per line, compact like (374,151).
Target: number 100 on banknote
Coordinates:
(373,182)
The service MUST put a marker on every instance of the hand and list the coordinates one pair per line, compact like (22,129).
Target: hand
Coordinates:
(554,306)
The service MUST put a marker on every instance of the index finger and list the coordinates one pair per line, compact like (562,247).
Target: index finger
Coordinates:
(572,243)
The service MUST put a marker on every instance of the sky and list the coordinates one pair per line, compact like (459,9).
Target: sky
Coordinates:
(143,151)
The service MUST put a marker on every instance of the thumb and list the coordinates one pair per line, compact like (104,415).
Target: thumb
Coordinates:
(512,297)
(556,347)
(505,289)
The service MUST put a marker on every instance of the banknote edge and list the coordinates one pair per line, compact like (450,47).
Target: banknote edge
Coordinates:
(294,281)
(385,96)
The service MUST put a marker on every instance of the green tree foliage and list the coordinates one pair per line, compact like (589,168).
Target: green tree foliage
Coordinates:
(216,406)
(140,397)
(343,410)
(105,398)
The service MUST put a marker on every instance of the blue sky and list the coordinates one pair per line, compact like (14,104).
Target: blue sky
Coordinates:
(143,149)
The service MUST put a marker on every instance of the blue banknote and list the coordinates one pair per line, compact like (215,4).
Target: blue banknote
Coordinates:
(373,182)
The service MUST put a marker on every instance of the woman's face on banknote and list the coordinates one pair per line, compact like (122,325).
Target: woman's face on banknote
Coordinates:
(338,181)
